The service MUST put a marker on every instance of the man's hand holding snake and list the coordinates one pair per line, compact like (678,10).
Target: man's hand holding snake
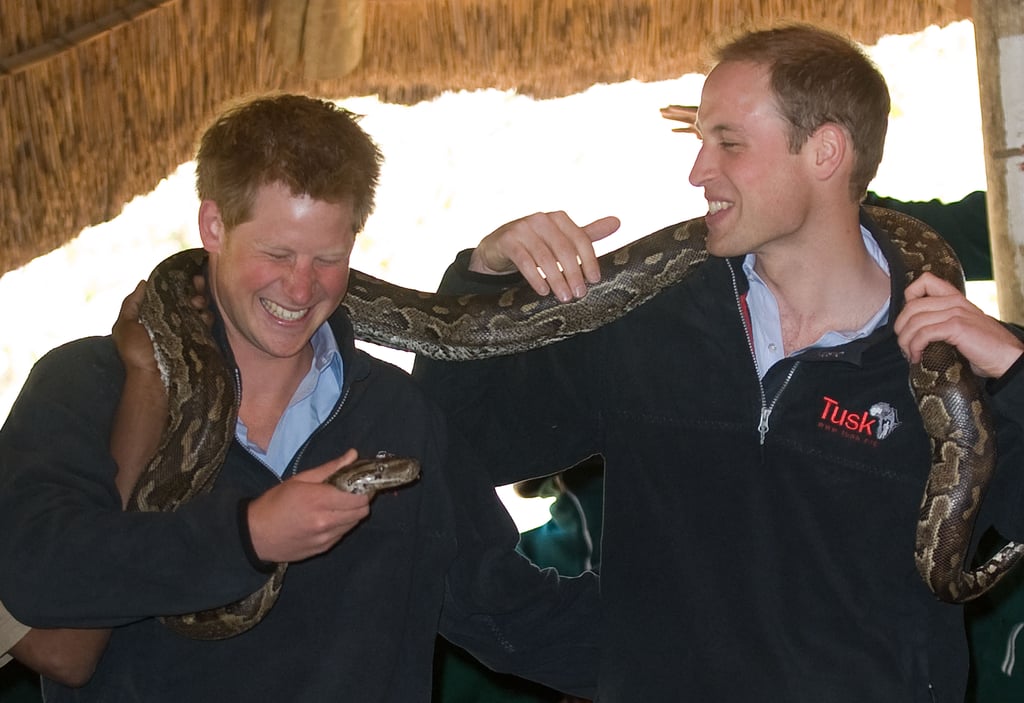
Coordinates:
(304,516)
(936,311)
(142,412)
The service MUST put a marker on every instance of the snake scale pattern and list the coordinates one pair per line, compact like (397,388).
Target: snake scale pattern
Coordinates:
(202,412)
(203,404)
(961,431)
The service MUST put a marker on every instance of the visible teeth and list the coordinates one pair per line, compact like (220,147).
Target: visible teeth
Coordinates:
(282,313)
(716,205)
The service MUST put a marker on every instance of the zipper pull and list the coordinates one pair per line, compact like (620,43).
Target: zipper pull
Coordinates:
(762,426)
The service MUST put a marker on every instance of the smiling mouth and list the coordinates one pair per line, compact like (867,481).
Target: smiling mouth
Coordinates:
(718,206)
(283,313)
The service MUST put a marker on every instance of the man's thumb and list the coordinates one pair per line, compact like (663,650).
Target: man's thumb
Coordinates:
(599,229)
(323,472)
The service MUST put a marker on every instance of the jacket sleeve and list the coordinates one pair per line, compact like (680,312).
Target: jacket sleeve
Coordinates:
(964,224)
(530,414)
(71,557)
(1005,497)
(512,616)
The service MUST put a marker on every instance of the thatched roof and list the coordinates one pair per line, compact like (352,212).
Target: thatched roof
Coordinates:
(103,98)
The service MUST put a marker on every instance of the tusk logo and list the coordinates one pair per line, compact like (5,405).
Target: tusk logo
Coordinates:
(888,420)
(876,423)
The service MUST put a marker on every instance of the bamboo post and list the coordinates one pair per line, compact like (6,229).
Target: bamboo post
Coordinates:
(999,36)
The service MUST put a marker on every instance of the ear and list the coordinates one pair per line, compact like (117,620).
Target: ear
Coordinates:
(211,226)
(831,150)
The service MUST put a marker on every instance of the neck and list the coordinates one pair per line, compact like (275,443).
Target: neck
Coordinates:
(268,385)
(823,283)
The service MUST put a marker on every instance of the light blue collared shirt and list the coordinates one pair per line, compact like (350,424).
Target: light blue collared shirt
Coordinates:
(309,407)
(766,325)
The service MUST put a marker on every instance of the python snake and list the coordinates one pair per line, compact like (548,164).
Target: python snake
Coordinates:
(961,431)
(365,476)
(202,414)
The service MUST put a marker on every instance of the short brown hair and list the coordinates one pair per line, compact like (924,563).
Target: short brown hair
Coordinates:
(312,146)
(820,77)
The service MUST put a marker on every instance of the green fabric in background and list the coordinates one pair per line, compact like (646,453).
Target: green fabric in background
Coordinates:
(964,224)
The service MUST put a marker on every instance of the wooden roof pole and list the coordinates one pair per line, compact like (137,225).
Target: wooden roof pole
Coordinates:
(79,36)
(324,37)
(999,36)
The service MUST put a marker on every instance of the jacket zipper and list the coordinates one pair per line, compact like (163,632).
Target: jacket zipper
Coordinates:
(294,467)
(238,397)
(766,407)
(766,411)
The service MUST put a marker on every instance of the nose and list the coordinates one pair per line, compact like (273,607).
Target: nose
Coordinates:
(300,282)
(702,167)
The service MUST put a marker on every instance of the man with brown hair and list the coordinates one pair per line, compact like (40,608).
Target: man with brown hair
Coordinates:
(758,544)
(285,183)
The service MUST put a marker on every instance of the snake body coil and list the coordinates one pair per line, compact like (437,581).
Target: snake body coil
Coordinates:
(202,413)
(203,407)
(961,431)
(366,476)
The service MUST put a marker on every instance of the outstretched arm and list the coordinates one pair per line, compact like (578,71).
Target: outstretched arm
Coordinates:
(69,656)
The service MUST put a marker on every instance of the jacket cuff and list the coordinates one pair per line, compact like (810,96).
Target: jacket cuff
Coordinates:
(458,279)
(265,567)
(994,385)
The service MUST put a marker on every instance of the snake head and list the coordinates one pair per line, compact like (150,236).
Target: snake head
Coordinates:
(367,476)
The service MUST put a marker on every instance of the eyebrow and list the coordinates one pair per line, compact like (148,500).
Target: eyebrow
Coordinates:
(717,129)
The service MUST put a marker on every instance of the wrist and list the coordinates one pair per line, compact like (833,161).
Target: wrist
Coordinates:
(477,265)
(479,262)
(145,384)
(248,540)
(143,374)
(996,384)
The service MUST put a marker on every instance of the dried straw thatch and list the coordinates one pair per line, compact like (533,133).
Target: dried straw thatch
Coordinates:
(103,98)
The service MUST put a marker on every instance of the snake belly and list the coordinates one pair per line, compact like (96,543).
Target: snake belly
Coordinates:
(203,406)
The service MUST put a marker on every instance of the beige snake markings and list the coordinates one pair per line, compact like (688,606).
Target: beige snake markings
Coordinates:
(202,412)
(203,407)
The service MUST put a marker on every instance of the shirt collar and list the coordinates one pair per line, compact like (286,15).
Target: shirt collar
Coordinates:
(325,347)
